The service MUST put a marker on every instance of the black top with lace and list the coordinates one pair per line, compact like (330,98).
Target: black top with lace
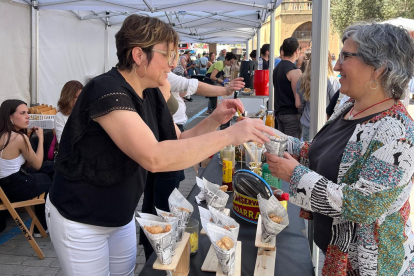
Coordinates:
(95,182)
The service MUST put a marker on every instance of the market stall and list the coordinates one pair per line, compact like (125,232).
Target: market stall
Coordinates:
(292,250)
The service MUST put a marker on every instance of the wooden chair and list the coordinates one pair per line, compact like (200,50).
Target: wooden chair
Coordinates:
(28,205)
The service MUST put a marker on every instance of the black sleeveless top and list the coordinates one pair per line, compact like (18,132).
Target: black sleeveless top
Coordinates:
(95,182)
(284,97)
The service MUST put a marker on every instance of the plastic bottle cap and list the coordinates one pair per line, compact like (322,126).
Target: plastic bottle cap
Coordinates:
(284,196)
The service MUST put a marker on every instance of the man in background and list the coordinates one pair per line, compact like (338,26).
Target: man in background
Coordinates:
(253,55)
(264,53)
(285,79)
(222,55)
(203,64)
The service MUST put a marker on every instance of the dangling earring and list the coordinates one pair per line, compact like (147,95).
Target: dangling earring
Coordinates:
(372,87)
(145,72)
(12,121)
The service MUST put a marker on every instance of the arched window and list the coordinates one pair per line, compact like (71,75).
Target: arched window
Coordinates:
(303,32)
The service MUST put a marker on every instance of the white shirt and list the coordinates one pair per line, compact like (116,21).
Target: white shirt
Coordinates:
(60,122)
(180,84)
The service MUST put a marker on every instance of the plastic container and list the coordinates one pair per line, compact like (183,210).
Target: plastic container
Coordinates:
(193,227)
(228,158)
(269,178)
(261,82)
(260,64)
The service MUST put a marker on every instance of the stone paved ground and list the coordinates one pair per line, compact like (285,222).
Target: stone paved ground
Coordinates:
(18,258)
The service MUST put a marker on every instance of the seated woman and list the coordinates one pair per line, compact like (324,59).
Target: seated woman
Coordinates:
(356,174)
(119,129)
(68,96)
(17,179)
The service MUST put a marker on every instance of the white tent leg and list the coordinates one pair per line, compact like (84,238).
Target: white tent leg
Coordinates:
(319,77)
(271,60)
(106,46)
(258,44)
(34,53)
(247,50)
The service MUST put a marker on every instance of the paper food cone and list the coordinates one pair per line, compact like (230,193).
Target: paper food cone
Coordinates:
(271,206)
(205,216)
(226,258)
(150,217)
(161,243)
(171,220)
(215,197)
(277,144)
(178,206)
(201,195)
(225,221)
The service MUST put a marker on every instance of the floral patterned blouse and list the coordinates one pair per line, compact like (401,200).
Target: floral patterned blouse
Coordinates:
(369,204)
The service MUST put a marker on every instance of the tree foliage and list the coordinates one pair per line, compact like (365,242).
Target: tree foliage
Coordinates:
(346,12)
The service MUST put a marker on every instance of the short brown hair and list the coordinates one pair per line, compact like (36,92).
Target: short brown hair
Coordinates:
(68,94)
(144,32)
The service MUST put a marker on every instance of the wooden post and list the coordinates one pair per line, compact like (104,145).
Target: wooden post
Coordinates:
(266,254)
(180,264)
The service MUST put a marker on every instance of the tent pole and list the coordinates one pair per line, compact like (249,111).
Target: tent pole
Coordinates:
(246,57)
(271,60)
(319,78)
(34,53)
(106,46)
(258,44)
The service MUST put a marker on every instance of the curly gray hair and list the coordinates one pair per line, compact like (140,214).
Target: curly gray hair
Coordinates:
(389,46)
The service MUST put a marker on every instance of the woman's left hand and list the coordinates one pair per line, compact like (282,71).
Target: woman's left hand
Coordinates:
(226,110)
(281,167)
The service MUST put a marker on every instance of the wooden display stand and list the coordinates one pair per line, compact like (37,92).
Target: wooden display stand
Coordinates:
(226,211)
(180,264)
(211,262)
(266,254)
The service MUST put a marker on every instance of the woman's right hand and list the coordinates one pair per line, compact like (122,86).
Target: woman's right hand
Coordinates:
(39,132)
(248,130)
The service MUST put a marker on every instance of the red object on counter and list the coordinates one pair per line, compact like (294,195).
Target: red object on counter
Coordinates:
(261,82)
(280,195)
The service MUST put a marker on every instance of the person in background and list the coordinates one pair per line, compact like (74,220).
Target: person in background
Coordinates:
(68,96)
(222,55)
(101,168)
(203,64)
(23,173)
(285,79)
(333,62)
(181,69)
(280,57)
(197,64)
(214,74)
(211,60)
(190,67)
(303,89)
(264,53)
(355,177)
(253,55)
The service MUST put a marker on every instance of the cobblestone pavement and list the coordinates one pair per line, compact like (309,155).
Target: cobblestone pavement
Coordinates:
(17,256)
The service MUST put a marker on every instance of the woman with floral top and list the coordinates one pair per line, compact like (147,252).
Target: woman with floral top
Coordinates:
(354,177)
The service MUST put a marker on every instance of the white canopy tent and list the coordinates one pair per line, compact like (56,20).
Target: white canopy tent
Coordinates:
(48,42)
(75,39)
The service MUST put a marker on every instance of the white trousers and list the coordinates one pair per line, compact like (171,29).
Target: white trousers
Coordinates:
(91,250)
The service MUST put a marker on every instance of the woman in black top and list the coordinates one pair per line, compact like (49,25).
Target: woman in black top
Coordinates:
(110,142)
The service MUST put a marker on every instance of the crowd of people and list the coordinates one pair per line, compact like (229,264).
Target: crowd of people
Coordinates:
(353,178)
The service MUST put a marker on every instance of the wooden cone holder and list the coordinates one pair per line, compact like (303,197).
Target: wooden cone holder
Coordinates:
(211,262)
(180,264)
(266,254)
(226,211)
